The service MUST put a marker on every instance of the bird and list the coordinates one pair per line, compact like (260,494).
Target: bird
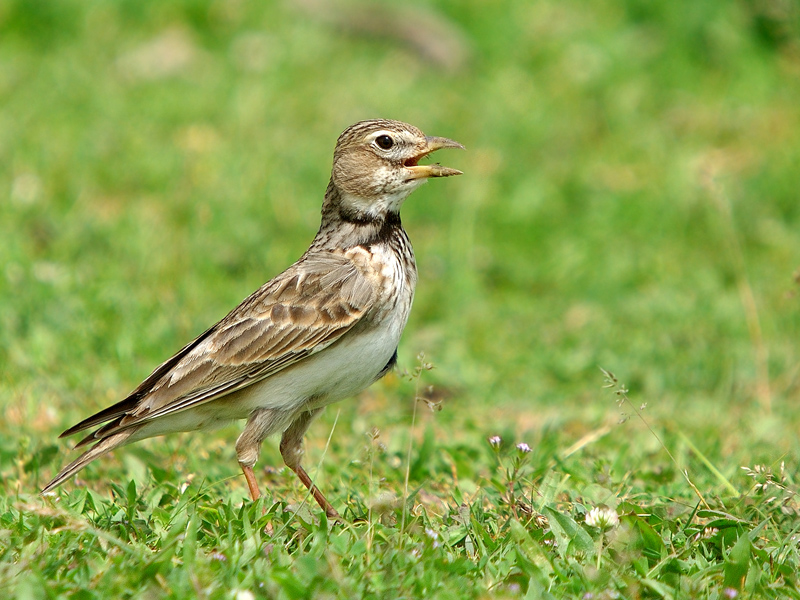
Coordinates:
(321,331)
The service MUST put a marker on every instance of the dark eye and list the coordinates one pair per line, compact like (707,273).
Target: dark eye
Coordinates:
(384,141)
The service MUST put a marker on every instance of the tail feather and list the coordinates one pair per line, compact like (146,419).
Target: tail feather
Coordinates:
(100,448)
(120,409)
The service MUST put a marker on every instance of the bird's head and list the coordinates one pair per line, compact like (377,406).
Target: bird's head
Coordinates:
(376,166)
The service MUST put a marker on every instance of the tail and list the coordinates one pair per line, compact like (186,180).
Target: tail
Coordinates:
(100,448)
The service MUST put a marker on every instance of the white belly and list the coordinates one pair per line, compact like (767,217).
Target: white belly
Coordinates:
(337,372)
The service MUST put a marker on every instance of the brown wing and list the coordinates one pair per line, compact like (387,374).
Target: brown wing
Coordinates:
(300,312)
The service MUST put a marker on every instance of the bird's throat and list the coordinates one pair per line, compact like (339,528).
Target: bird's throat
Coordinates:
(344,224)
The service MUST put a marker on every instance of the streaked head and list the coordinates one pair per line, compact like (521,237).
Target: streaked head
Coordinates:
(376,165)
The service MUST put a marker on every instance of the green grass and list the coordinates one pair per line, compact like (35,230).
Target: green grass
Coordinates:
(629,203)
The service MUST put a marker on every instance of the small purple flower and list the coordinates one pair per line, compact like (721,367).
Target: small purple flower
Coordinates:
(730,593)
(495,441)
(523,448)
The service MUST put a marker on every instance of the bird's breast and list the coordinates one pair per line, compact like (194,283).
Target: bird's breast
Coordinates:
(393,262)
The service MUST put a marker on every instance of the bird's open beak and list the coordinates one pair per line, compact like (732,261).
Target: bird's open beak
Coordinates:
(424,171)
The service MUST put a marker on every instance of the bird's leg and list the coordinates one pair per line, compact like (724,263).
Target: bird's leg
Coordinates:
(248,447)
(255,494)
(292,452)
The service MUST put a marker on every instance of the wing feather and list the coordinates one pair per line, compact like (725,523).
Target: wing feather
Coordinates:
(305,309)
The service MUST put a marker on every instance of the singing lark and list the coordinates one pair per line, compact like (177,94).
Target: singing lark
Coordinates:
(323,330)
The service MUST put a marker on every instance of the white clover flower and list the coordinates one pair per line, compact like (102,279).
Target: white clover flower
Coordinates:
(602,517)
(433,535)
(523,448)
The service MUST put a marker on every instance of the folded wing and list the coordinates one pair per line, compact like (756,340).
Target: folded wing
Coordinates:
(298,313)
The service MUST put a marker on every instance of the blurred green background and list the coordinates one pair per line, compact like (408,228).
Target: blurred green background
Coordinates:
(629,200)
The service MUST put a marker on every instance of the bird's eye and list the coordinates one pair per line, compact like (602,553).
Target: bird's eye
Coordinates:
(384,141)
